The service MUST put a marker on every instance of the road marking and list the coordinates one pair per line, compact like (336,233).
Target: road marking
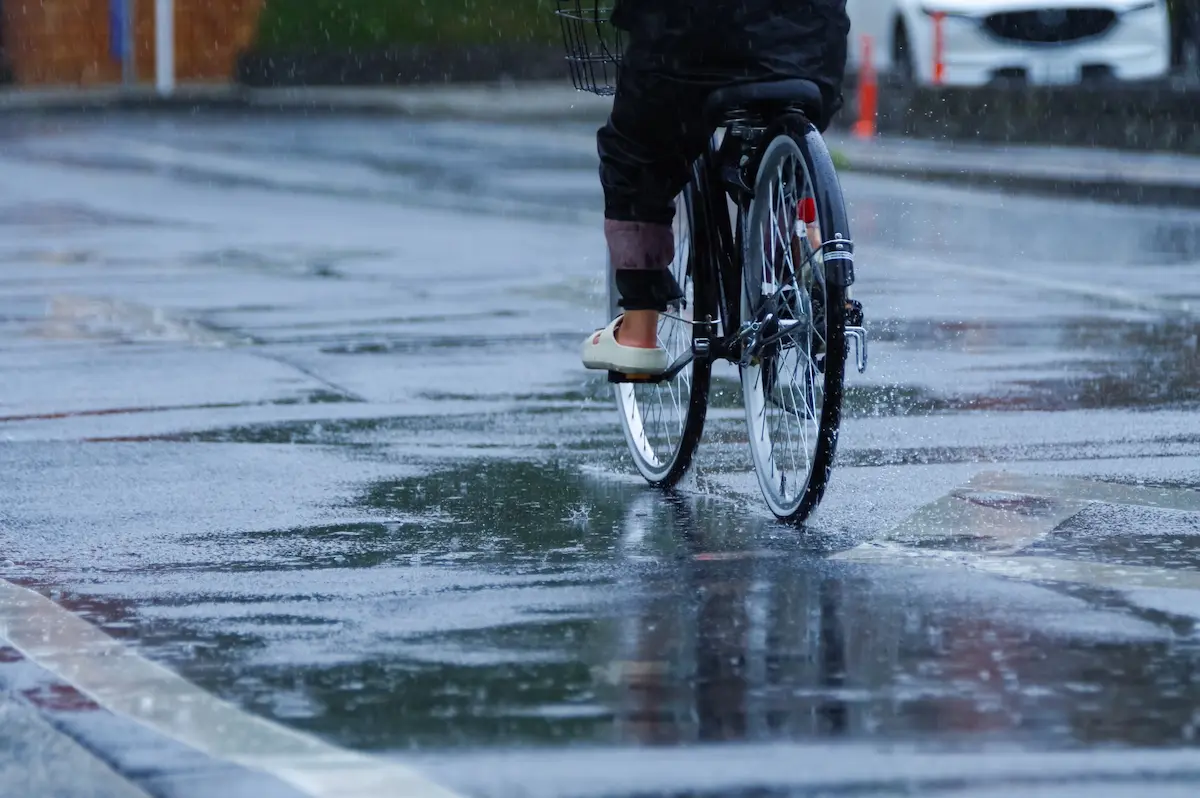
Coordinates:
(997,514)
(119,411)
(1181,499)
(123,682)
(994,511)
(995,520)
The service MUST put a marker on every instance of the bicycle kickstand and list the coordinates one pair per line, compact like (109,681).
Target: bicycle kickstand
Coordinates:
(857,333)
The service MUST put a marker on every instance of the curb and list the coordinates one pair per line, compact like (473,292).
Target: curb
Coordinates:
(1101,189)
(494,102)
(1102,175)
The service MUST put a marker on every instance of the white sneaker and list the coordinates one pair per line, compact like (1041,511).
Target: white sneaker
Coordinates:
(601,351)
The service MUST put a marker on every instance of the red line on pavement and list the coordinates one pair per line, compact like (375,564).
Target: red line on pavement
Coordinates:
(117,411)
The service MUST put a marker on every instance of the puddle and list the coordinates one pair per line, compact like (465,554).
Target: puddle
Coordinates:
(514,604)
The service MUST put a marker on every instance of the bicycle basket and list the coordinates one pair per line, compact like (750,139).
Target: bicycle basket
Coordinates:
(593,44)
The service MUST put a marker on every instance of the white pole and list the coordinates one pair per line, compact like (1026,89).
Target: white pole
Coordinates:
(128,43)
(164,46)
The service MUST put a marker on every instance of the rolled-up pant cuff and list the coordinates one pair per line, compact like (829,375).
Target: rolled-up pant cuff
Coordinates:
(641,255)
(639,245)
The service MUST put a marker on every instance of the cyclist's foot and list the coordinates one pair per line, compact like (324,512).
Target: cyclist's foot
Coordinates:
(635,353)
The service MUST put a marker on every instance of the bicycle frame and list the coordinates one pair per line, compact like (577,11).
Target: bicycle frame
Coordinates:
(724,175)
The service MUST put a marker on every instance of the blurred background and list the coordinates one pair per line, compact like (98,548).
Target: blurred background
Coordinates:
(1108,72)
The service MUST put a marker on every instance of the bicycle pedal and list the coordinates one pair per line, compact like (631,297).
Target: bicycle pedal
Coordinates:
(854,313)
(617,377)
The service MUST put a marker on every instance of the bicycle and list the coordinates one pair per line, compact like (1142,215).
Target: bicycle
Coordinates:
(766,260)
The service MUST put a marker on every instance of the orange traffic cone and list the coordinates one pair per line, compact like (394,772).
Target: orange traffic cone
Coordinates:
(868,91)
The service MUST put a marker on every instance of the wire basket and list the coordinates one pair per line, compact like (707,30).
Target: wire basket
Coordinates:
(594,44)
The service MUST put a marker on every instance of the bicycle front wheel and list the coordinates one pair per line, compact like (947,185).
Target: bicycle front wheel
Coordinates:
(663,422)
(792,386)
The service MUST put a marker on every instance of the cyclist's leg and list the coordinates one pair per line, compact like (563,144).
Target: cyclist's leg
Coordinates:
(653,135)
(655,132)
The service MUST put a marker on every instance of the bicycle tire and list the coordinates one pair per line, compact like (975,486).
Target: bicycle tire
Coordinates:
(794,503)
(688,390)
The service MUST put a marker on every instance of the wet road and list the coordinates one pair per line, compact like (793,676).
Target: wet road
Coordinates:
(292,407)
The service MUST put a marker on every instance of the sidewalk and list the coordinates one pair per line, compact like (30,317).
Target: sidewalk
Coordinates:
(537,101)
(1102,174)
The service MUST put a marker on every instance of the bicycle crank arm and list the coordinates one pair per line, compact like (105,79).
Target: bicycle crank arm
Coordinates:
(788,328)
(859,336)
(672,371)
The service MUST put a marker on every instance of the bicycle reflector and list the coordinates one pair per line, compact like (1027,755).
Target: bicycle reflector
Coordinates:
(806,211)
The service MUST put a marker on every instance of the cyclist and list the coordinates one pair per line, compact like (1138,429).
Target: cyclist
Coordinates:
(680,51)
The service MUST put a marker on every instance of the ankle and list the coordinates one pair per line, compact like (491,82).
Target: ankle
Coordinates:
(638,328)
(636,342)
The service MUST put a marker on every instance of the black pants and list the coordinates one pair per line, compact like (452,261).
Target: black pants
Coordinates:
(654,134)
(656,129)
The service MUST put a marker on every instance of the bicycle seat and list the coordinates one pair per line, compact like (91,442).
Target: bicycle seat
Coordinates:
(764,94)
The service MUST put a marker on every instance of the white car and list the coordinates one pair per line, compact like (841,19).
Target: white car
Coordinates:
(1036,41)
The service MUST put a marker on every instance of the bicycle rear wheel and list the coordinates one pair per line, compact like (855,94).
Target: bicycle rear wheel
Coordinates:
(663,422)
(792,387)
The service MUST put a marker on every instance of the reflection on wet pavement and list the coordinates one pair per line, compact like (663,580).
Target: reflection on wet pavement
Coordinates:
(524,604)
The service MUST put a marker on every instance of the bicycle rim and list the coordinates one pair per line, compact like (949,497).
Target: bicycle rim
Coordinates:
(792,389)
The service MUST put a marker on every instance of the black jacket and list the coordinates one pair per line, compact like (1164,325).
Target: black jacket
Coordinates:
(756,38)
